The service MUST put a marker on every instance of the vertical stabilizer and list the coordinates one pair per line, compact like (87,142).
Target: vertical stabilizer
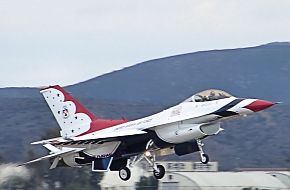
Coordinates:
(73,118)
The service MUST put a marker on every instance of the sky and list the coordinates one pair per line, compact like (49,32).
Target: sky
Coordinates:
(68,41)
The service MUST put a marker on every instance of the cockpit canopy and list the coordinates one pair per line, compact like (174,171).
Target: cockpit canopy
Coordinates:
(208,95)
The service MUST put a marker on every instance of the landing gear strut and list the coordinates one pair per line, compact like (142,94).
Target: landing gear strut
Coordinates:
(149,155)
(203,157)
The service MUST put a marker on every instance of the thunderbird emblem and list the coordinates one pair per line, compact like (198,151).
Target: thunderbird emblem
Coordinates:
(65,112)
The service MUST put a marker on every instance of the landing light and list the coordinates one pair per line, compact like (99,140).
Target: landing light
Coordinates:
(148,153)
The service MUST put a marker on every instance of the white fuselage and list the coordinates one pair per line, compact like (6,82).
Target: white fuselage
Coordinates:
(181,123)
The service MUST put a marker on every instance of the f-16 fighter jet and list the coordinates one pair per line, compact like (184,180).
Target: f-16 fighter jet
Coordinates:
(117,145)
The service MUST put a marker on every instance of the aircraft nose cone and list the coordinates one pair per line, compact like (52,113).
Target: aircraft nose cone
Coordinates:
(259,105)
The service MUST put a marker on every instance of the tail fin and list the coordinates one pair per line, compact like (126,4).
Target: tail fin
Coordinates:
(73,118)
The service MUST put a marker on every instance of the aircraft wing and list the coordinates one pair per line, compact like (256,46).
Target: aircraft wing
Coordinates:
(55,153)
(92,137)
(109,135)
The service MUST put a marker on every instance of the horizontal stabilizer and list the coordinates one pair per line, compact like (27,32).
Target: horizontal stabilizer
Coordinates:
(60,153)
(58,139)
(109,135)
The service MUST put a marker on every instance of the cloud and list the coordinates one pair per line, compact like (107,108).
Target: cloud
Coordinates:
(73,41)
(11,171)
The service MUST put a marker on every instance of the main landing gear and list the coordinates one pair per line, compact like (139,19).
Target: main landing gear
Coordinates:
(124,173)
(159,172)
(149,155)
(203,157)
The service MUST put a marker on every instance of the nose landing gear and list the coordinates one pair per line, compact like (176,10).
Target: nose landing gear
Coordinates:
(204,158)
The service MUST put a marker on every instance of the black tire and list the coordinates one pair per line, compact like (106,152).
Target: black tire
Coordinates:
(124,173)
(160,172)
(205,159)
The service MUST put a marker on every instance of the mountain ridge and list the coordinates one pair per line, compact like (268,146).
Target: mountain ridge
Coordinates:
(147,80)
(166,73)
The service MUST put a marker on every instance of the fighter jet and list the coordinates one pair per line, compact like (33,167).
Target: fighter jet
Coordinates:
(117,145)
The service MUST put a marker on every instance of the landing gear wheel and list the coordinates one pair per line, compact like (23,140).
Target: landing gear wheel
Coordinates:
(204,158)
(160,172)
(124,173)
